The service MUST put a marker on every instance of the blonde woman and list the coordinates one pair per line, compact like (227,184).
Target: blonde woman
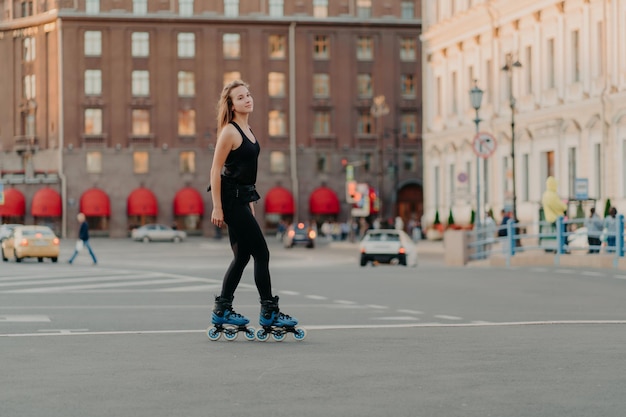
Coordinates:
(233,178)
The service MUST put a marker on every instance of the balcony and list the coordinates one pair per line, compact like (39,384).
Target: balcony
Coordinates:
(22,144)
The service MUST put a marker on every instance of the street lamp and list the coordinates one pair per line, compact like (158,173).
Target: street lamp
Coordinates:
(476,98)
(379,109)
(508,68)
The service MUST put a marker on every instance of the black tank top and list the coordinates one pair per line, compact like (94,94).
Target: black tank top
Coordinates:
(241,163)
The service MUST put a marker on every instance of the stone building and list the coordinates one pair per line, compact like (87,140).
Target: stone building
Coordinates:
(109,107)
(554,80)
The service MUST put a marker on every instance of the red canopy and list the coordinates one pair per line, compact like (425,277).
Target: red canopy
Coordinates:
(279,200)
(188,201)
(95,202)
(46,203)
(142,202)
(324,201)
(14,203)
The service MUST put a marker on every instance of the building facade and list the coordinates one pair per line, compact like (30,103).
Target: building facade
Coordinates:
(554,80)
(112,107)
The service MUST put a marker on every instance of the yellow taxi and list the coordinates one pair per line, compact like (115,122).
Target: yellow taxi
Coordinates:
(31,242)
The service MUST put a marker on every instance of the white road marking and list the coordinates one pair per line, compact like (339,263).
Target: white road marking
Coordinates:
(410,311)
(339,327)
(94,286)
(289,292)
(444,317)
(396,318)
(345,302)
(377,307)
(620,276)
(316,297)
(593,274)
(24,319)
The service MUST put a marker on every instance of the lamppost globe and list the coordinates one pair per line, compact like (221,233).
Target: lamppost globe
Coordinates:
(476,96)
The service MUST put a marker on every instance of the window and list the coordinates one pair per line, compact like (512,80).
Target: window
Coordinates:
(322,162)
(187,162)
(186,122)
(140,6)
(528,65)
(321,85)
(185,7)
(186,45)
(277,123)
(27,8)
(320,8)
(278,162)
(598,67)
(186,84)
(231,8)
(438,105)
(93,122)
(276,8)
(571,170)
(231,45)
(408,49)
(365,124)
(407,10)
(408,86)
(92,6)
(454,90)
(575,56)
(364,48)
(30,87)
(276,84)
(597,167)
(94,162)
(93,43)
(408,125)
(28,124)
(93,82)
(409,162)
(278,46)
(29,49)
(364,85)
(321,47)
(140,44)
(231,76)
(321,123)
(364,9)
(525,179)
(140,83)
(141,162)
(141,122)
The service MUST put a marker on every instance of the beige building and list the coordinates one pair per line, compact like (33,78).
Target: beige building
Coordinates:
(562,64)
(109,107)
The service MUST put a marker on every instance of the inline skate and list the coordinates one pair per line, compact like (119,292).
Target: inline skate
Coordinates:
(276,323)
(225,320)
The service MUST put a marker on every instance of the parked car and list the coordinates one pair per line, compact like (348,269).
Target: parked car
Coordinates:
(31,242)
(299,234)
(157,232)
(388,246)
(6,229)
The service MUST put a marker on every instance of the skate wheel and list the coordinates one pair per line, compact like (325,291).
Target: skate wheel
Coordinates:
(299,334)
(262,335)
(213,334)
(230,334)
(249,334)
(280,336)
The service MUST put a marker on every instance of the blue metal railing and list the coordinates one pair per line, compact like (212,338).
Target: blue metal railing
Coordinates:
(560,238)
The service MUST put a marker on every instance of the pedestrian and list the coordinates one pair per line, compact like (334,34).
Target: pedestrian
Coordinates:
(233,191)
(594,226)
(490,229)
(610,223)
(502,230)
(83,240)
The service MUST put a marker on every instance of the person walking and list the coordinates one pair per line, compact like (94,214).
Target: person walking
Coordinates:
(233,191)
(610,223)
(83,240)
(594,226)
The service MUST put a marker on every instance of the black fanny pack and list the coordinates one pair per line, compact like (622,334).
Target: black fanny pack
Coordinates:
(243,193)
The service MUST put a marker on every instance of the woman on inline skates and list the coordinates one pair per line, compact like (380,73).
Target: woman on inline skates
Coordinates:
(233,177)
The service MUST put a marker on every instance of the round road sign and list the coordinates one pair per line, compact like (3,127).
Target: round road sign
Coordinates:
(484,144)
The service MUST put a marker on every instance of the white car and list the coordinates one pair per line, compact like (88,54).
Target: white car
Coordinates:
(156,232)
(388,246)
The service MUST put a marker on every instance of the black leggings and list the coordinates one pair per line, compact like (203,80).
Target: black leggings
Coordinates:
(246,240)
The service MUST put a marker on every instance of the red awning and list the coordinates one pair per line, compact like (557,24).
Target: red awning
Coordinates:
(95,202)
(324,201)
(46,203)
(279,200)
(142,202)
(14,203)
(188,201)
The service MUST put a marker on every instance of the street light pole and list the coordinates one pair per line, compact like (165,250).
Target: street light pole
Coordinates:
(508,68)
(476,98)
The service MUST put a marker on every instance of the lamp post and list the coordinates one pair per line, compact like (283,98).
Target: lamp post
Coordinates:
(379,109)
(508,68)
(476,98)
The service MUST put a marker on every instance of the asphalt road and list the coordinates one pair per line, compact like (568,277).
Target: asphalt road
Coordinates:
(128,337)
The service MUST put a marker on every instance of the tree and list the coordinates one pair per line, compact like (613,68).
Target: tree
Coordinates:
(607,207)
(450,218)
(437,221)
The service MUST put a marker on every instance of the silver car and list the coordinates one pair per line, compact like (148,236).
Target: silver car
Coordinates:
(157,232)
(387,246)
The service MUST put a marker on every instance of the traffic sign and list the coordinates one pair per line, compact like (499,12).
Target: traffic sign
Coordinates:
(484,144)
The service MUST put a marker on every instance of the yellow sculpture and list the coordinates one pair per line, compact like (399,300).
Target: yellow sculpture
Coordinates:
(553,207)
